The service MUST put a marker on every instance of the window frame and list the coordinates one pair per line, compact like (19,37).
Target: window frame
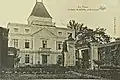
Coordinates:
(44,43)
(60,33)
(15,43)
(27,58)
(27,31)
(16,29)
(27,42)
(58,44)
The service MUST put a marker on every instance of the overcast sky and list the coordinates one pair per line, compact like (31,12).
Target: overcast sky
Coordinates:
(17,11)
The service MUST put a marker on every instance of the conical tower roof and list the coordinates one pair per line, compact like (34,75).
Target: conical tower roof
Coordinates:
(39,10)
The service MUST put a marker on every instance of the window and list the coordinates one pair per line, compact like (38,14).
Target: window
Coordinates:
(15,43)
(59,45)
(59,59)
(68,33)
(27,58)
(44,44)
(60,33)
(27,43)
(15,29)
(27,30)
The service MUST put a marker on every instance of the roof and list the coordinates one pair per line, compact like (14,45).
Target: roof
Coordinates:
(39,10)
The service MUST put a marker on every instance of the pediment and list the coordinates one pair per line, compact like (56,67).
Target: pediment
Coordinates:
(44,33)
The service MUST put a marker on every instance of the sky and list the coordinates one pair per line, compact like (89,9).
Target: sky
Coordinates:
(17,11)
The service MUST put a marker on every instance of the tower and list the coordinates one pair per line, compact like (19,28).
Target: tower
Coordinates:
(39,1)
(39,15)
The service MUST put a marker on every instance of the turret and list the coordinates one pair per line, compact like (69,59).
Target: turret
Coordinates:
(40,15)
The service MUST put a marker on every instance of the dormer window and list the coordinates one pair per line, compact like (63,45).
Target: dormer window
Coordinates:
(27,30)
(60,33)
(15,29)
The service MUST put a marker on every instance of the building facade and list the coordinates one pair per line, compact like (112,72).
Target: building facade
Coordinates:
(39,41)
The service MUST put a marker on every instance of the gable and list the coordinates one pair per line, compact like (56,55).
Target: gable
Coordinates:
(44,33)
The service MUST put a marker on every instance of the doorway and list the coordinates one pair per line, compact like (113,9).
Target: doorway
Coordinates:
(44,59)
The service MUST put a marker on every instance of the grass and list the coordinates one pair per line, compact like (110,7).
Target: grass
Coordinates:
(59,74)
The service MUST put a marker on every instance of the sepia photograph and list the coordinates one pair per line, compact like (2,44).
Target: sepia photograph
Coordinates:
(59,39)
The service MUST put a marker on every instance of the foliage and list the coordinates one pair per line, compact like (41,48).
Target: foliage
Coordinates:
(98,62)
(110,55)
(74,25)
(116,55)
(86,35)
(14,51)
(102,36)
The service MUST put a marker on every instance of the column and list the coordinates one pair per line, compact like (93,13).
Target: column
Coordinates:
(94,54)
